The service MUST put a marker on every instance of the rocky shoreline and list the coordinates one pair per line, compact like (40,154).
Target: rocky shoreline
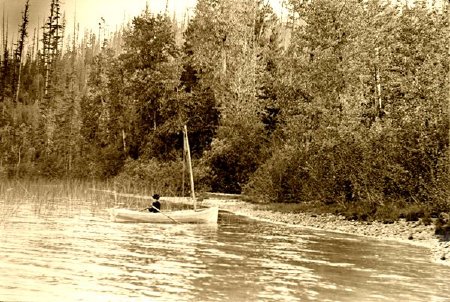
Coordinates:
(410,232)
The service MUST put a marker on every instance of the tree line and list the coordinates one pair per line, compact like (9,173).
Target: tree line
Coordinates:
(343,101)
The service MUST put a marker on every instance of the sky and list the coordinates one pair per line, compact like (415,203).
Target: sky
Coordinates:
(89,12)
(86,12)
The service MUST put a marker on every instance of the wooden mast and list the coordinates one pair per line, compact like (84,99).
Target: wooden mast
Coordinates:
(184,166)
(189,163)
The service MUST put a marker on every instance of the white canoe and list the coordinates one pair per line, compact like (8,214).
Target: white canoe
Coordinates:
(208,215)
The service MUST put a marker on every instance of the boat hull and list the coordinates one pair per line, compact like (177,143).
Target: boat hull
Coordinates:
(209,215)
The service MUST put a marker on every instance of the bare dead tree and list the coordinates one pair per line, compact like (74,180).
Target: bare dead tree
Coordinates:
(5,61)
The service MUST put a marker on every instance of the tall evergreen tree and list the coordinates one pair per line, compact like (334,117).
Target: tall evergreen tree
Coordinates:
(52,39)
(23,33)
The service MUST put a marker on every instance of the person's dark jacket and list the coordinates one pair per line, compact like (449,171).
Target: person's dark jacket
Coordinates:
(155,204)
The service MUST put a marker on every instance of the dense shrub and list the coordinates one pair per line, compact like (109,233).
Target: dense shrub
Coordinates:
(150,176)
(233,159)
(374,166)
(165,178)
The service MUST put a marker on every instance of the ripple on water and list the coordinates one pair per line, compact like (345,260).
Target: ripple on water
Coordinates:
(72,253)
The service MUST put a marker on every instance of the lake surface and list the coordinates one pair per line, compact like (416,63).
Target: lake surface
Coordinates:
(70,251)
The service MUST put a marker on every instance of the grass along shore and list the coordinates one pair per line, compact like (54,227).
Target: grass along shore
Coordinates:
(413,232)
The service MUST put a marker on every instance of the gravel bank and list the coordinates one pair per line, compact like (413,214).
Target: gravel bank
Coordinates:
(410,232)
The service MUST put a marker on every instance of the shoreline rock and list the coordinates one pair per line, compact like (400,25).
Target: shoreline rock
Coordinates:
(403,231)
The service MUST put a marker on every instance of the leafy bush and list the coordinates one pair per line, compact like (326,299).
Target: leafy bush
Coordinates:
(414,212)
(328,169)
(442,226)
(153,176)
(234,159)
(370,165)
(150,176)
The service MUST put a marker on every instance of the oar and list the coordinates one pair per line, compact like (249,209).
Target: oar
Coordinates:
(165,214)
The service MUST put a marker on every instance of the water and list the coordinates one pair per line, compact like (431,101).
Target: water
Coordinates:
(72,252)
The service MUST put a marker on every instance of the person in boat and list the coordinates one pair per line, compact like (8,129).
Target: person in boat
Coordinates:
(156,205)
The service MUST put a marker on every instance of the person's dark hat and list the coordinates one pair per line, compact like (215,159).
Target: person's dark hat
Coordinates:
(155,196)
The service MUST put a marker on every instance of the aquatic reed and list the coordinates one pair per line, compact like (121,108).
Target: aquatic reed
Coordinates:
(70,196)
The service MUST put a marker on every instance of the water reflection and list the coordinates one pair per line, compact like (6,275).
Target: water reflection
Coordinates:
(71,252)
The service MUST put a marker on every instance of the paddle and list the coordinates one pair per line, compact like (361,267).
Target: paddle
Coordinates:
(153,207)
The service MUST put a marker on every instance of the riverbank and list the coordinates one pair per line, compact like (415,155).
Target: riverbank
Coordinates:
(405,231)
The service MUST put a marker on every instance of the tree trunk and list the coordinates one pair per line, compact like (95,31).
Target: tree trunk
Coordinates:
(447,6)
(378,81)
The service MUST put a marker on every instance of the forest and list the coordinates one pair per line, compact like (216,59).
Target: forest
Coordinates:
(342,103)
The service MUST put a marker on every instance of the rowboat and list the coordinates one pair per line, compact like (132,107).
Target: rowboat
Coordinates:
(208,215)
